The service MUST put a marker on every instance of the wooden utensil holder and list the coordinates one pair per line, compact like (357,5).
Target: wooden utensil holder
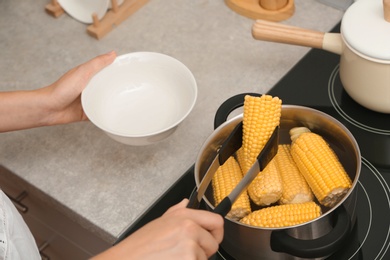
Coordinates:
(115,16)
(271,10)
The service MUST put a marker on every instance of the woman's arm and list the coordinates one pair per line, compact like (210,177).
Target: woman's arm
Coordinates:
(180,233)
(58,103)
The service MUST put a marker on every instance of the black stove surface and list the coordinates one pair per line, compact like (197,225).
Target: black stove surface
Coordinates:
(315,82)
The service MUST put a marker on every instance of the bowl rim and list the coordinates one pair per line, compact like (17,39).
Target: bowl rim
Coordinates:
(118,59)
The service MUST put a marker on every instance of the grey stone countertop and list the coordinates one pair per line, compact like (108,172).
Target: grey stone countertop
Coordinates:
(104,184)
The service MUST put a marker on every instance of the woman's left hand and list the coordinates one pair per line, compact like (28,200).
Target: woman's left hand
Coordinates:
(58,103)
(64,95)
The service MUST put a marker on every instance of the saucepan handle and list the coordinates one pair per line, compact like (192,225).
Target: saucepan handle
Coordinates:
(229,106)
(319,247)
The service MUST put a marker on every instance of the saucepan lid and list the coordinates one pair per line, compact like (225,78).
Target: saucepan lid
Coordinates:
(366,28)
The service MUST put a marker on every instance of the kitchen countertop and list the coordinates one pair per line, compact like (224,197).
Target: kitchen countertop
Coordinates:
(103,184)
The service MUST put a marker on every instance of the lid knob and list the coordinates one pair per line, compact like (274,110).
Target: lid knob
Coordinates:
(386,10)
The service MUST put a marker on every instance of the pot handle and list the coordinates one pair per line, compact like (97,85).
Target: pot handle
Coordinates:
(319,247)
(229,106)
(283,33)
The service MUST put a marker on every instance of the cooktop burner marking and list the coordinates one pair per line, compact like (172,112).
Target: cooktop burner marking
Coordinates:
(369,222)
(385,187)
(332,97)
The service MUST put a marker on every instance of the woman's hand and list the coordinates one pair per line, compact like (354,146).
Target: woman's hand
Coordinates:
(180,233)
(58,103)
(64,95)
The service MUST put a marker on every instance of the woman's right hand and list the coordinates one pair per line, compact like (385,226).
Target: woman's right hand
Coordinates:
(180,233)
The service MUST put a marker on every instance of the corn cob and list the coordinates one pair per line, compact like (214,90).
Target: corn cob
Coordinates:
(224,181)
(320,166)
(267,187)
(260,117)
(295,187)
(283,215)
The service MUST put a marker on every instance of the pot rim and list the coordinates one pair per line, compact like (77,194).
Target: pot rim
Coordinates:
(238,118)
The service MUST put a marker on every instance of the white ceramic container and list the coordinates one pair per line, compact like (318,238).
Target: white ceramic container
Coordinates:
(140,98)
(363,46)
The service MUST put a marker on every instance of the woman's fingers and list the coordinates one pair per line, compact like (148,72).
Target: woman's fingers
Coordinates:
(205,227)
(87,70)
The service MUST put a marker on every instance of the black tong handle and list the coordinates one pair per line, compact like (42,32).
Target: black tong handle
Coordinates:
(231,144)
(193,202)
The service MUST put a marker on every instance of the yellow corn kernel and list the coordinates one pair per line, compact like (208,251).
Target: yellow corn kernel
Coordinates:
(267,187)
(295,187)
(320,166)
(224,181)
(283,215)
(260,117)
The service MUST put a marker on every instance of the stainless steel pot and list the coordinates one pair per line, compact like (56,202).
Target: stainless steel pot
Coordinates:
(318,238)
(363,46)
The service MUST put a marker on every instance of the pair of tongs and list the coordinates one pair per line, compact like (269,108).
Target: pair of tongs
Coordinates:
(227,149)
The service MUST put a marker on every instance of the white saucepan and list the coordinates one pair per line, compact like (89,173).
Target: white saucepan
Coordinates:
(363,46)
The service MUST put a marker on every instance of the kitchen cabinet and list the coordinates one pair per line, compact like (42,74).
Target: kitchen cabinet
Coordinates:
(57,236)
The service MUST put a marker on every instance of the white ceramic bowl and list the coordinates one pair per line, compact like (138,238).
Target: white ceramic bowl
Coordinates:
(140,98)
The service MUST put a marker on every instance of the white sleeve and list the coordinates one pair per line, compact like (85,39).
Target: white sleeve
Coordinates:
(16,240)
